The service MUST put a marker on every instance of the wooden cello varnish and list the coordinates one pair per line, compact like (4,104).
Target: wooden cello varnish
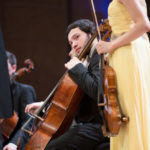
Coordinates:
(8,125)
(59,115)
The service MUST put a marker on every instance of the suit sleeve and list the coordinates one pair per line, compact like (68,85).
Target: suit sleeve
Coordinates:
(88,79)
(27,96)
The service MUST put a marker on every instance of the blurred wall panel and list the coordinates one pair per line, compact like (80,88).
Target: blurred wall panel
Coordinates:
(36,29)
(82,9)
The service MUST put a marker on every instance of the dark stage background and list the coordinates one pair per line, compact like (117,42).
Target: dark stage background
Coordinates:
(36,29)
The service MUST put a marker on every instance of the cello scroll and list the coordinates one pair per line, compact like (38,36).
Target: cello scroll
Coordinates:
(29,66)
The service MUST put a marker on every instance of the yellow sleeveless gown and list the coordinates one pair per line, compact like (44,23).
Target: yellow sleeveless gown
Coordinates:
(132,66)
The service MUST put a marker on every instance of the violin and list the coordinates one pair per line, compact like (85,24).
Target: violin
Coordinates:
(109,109)
(8,125)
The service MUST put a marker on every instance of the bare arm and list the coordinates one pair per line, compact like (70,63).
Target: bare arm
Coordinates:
(142,25)
(140,19)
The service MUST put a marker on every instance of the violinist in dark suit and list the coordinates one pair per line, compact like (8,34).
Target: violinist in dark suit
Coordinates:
(23,94)
(86,133)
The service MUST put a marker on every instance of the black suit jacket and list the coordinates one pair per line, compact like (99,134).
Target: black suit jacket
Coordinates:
(23,94)
(88,80)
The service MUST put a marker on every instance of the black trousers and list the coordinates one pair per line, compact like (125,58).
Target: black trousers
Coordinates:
(80,137)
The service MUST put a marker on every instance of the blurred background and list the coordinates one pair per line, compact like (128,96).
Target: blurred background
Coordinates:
(35,29)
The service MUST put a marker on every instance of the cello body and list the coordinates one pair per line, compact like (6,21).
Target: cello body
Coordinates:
(8,125)
(58,116)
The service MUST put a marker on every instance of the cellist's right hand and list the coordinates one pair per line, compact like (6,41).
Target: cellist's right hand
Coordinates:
(32,108)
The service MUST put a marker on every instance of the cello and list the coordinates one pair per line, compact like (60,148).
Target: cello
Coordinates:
(57,117)
(8,125)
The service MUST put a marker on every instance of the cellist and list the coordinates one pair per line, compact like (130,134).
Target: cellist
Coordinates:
(23,94)
(86,132)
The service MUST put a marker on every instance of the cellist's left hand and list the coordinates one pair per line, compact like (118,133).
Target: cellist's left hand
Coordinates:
(104,47)
(70,64)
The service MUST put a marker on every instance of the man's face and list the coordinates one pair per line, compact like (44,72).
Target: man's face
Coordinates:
(77,40)
(11,68)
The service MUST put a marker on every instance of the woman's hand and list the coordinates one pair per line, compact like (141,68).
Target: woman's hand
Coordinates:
(32,108)
(104,47)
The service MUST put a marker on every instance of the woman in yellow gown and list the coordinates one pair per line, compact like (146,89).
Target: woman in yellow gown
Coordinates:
(129,55)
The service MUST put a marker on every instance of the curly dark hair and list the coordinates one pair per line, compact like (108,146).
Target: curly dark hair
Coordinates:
(83,24)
